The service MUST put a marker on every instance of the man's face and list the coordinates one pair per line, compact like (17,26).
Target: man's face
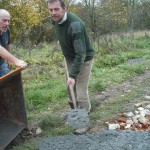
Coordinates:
(4,22)
(56,11)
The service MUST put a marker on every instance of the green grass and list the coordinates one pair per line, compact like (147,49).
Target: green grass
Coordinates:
(53,125)
(44,82)
(29,145)
(44,93)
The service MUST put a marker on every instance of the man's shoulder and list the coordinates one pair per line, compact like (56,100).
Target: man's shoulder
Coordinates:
(73,18)
(5,38)
(75,21)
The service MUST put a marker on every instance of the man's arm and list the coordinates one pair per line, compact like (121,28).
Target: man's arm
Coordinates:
(10,58)
(9,50)
(79,45)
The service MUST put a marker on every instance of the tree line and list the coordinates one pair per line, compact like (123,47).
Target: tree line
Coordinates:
(30,21)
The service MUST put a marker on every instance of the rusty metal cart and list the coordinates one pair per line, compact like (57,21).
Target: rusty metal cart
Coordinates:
(12,107)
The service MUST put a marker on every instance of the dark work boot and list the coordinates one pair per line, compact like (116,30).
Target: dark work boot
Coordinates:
(81,130)
(71,105)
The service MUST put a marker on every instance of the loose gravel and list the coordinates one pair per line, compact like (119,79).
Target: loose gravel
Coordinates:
(78,118)
(104,140)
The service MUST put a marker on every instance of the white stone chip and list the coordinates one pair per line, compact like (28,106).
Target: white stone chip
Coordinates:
(142,113)
(128,126)
(130,122)
(148,107)
(136,112)
(113,126)
(129,114)
(147,97)
(135,120)
(38,131)
(140,108)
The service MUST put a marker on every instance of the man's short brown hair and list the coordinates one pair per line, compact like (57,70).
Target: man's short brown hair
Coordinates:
(61,2)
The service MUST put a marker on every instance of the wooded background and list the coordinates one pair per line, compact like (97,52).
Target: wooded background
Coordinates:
(30,22)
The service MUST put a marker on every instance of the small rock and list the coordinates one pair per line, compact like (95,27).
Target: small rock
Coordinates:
(122,119)
(130,121)
(145,125)
(136,112)
(137,116)
(138,105)
(129,114)
(141,104)
(142,119)
(147,112)
(148,107)
(113,126)
(140,108)
(38,131)
(147,97)
(148,117)
(135,120)
(138,125)
(142,113)
(128,126)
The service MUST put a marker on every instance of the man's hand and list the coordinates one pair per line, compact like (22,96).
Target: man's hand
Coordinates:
(10,65)
(20,63)
(71,81)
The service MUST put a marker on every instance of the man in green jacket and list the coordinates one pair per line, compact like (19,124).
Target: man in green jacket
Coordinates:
(76,48)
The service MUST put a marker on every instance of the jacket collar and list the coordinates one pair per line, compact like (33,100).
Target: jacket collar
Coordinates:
(64,18)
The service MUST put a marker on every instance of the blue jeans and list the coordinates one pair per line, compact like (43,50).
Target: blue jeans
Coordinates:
(3,69)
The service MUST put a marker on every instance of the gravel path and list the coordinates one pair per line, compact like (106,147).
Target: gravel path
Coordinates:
(104,140)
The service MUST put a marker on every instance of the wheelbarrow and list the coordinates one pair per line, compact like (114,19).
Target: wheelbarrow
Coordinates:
(12,107)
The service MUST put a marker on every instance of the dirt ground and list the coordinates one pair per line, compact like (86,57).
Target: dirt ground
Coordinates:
(142,81)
